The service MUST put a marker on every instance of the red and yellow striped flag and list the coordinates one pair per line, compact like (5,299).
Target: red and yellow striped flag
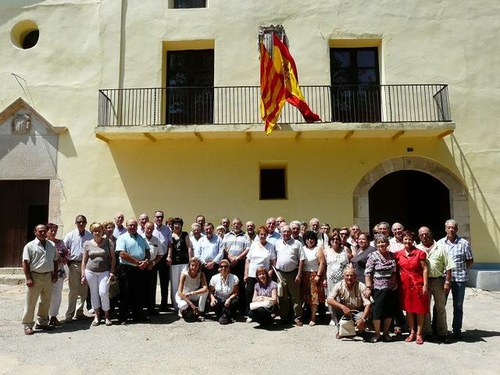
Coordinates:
(279,81)
(272,89)
(293,93)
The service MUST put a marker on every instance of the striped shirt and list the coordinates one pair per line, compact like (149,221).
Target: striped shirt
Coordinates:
(460,252)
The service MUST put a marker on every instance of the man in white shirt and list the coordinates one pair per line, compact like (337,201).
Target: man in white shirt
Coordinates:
(40,270)
(74,241)
(289,264)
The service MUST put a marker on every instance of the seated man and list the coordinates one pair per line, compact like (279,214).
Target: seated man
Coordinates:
(348,295)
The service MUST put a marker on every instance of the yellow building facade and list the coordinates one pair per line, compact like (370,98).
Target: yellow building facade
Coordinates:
(431,129)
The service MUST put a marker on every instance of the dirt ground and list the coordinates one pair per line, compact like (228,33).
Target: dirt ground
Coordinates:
(167,344)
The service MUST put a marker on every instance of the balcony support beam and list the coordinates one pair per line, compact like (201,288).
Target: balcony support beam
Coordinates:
(298,135)
(102,138)
(444,134)
(150,137)
(198,135)
(249,136)
(397,135)
(348,135)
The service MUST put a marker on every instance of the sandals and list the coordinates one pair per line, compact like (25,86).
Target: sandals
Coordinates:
(95,322)
(420,340)
(28,331)
(312,323)
(410,338)
(108,322)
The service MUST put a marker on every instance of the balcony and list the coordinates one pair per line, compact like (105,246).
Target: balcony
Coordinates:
(374,111)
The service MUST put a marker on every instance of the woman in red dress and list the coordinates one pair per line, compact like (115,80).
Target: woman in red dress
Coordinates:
(413,289)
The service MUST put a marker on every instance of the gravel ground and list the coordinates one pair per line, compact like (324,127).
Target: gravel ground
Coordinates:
(240,348)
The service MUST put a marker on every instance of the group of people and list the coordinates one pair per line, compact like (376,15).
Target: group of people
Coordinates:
(280,269)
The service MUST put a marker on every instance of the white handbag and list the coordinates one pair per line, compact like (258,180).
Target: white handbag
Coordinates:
(281,283)
(346,326)
(266,304)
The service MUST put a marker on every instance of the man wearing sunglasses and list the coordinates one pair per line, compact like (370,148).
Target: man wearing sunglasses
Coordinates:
(74,241)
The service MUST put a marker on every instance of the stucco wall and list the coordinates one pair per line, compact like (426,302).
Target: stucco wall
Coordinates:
(87,45)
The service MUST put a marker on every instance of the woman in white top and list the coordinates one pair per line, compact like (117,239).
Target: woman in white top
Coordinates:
(311,283)
(224,293)
(337,257)
(192,290)
(262,254)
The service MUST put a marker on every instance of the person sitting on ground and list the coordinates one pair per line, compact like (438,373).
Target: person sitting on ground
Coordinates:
(261,254)
(193,292)
(347,296)
(266,290)
(224,293)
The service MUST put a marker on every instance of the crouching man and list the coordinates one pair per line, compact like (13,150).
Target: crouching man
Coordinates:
(348,296)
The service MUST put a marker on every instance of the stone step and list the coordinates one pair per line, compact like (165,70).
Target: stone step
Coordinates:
(11,279)
(11,276)
(11,271)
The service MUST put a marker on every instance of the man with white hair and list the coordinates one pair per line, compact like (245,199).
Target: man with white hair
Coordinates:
(295,228)
(396,242)
(273,236)
(460,251)
(348,295)
(143,219)
(119,227)
(250,234)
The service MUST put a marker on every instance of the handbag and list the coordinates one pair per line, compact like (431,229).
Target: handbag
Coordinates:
(281,283)
(266,304)
(346,326)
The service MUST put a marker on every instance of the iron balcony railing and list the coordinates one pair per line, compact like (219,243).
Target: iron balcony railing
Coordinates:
(240,105)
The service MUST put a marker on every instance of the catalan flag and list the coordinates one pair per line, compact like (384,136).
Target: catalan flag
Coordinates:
(279,81)
(272,88)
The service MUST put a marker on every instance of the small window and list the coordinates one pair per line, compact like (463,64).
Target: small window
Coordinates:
(272,183)
(25,34)
(183,4)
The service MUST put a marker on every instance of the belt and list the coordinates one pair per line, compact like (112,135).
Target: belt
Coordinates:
(439,277)
(295,270)
(74,261)
(41,273)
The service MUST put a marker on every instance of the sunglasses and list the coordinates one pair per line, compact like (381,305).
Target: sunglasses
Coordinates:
(223,266)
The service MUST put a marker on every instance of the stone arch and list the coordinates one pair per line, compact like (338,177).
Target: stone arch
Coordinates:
(459,204)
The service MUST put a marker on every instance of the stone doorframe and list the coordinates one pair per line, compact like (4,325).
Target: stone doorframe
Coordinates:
(459,203)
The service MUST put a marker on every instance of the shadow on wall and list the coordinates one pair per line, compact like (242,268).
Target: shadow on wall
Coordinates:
(490,231)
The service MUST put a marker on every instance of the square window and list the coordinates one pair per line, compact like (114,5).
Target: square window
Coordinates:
(272,183)
(184,4)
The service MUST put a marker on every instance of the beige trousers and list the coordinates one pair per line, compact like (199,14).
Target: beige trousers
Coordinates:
(42,287)
(75,289)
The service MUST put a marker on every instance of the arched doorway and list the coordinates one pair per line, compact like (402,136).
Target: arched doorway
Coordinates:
(458,197)
(412,198)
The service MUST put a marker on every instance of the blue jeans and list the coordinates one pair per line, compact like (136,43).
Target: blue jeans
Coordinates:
(458,293)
